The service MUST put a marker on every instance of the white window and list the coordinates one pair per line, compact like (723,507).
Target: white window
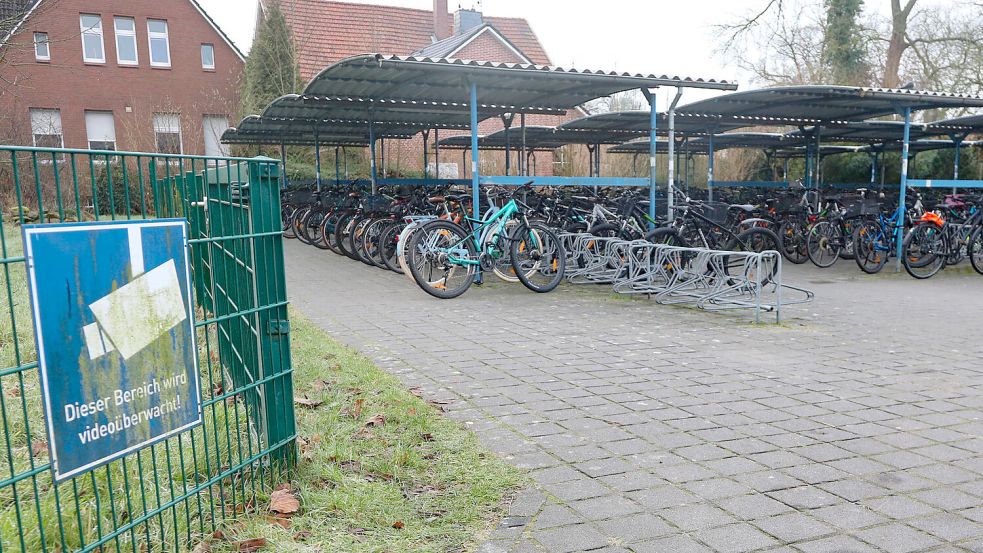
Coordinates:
(46,128)
(215,126)
(42,50)
(126,41)
(101,130)
(93,50)
(160,49)
(167,129)
(208,56)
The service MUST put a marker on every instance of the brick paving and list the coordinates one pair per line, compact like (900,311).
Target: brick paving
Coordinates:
(854,427)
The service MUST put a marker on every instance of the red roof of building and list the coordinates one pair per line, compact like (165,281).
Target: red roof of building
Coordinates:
(327,31)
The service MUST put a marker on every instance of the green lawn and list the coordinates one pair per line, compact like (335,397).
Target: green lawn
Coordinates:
(417,482)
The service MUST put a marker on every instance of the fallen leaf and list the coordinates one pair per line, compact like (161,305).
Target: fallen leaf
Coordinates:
(428,437)
(202,547)
(417,391)
(303,535)
(281,521)
(358,531)
(39,448)
(250,545)
(376,420)
(218,535)
(284,502)
(217,389)
(13,391)
(351,465)
(309,403)
(320,385)
(355,411)
(398,525)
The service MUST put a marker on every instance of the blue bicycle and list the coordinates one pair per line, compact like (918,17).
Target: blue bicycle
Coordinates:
(875,239)
(444,257)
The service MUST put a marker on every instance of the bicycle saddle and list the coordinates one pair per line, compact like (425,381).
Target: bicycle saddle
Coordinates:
(743,207)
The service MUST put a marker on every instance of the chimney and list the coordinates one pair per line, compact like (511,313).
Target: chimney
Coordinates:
(441,20)
(465,20)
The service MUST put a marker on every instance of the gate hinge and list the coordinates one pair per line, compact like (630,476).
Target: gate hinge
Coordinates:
(278,327)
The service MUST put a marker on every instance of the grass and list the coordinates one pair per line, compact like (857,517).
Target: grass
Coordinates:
(418,482)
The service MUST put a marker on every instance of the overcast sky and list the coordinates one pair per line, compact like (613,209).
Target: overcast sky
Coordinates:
(645,36)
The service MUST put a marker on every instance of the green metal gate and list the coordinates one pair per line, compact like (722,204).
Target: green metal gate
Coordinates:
(167,496)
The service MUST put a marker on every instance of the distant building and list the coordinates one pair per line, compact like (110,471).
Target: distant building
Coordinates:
(143,75)
(326,32)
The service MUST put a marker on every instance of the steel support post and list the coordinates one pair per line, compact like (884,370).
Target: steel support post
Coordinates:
(475,190)
(653,150)
(283,164)
(317,160)
(710,166)
(905,148)
(372,167)
(426,154)
(670,186)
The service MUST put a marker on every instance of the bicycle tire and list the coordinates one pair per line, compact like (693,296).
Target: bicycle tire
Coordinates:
(423,256)
(537,247)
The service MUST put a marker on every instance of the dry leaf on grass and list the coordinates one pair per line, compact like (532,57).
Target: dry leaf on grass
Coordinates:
(202,547)
(398,525)
(250,545)
(309,403)
(303,535)
(284,502)
(376,420)
(417,391)
(281,521)
(39,448)
(428,437)
(355,411)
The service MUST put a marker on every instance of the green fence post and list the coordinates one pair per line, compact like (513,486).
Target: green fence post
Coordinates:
(271,293)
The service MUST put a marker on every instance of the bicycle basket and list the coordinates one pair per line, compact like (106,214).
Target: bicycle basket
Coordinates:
(376,203)
(716,212)
(862,208)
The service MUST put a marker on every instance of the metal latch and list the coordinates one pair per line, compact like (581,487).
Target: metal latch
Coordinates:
(278,327)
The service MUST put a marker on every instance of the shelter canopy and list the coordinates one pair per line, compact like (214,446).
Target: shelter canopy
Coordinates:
(815,104)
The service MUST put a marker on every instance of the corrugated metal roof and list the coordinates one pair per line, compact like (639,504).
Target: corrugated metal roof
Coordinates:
(811,104)
(966,123)
(641,146)
(513,87)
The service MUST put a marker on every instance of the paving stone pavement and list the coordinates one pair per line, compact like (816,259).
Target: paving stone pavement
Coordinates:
(854,427)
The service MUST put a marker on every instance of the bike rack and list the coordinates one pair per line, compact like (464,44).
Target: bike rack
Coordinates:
(712,280)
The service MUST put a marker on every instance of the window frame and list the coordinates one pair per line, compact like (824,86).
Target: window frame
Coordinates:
(151,35)
(92,31)
(47,46)
(44,160)
(159,129)
(211,47)
(88,138)
(132,35)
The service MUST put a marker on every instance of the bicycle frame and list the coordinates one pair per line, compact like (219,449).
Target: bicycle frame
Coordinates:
(501,216)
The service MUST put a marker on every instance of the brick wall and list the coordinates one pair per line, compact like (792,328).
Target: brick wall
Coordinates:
(133,94)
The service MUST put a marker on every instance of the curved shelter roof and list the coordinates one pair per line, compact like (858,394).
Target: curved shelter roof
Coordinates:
(513,87)
(812,104)
(398,93)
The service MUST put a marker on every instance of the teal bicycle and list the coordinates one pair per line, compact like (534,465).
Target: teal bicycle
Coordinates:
(444,258)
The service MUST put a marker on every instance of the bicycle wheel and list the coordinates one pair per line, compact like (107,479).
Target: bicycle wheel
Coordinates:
(793,235)
(358,240)
(300,217)
(974,249)
(328,235)
(286,219)
(824,244)
(757,240)
(435,254)
(846,231)
(538,257)
(924,250)
(388,247)
(371,241)
(871,248)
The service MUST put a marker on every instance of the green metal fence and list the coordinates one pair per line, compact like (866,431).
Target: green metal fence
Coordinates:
(167,496)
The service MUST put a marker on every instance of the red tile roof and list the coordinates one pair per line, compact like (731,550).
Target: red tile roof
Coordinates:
(327,31)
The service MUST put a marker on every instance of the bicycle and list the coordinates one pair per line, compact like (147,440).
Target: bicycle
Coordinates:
(875,239)
(444,257)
